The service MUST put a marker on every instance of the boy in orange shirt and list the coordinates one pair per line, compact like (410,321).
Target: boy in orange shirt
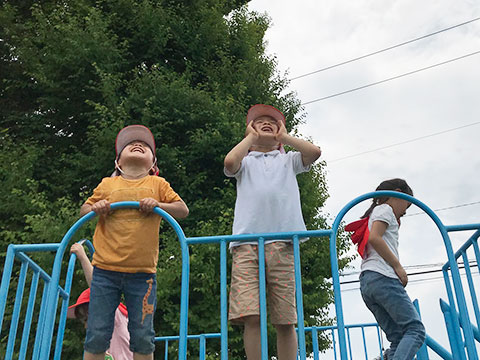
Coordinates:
(126,244)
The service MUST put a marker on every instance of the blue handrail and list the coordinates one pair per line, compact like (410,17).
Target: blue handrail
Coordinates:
(52,290)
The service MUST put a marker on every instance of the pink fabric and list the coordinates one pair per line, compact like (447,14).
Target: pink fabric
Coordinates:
(120,343)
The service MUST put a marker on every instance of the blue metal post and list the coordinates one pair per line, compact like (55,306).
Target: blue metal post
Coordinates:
(223,300)
(422,354)
(315,343)
(202,347)
(299,298)
(453,332)
(263,303)
(29,315)
(16,311)
(364,344)
(7,273)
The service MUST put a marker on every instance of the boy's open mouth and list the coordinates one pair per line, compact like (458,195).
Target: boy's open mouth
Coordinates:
(266,128)
(137,148)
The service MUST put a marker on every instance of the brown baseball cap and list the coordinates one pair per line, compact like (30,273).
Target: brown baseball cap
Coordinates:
(264,110)
(132,133)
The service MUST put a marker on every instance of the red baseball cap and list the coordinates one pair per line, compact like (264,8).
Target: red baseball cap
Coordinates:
(132,133)
(84,298)
(264,110)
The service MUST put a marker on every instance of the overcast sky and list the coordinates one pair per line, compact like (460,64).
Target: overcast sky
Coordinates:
(443,170)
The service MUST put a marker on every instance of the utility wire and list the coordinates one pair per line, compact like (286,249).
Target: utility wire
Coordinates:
(418,266)
(383,50)
(390,79)
(403,142)
(446,208)
(411,274)
(412,282)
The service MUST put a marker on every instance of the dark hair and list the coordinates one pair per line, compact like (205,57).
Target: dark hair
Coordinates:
(81,312)
(393,185)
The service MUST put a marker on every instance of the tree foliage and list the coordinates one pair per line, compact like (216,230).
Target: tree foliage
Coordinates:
(75,72)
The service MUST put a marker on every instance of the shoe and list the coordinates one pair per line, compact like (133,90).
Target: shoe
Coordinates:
(385,356)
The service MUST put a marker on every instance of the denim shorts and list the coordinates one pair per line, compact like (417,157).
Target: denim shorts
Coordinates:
(139,290)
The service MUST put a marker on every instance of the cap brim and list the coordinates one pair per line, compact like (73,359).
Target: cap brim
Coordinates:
(264,110)
(82,299)
(132,133)
(71,312)
(71,308)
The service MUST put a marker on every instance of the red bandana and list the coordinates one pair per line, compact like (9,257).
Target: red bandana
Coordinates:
(360,234)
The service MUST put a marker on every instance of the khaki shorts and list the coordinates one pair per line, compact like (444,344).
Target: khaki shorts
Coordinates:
(280,283)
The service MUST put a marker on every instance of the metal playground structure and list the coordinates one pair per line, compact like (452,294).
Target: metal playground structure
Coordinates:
(48,310)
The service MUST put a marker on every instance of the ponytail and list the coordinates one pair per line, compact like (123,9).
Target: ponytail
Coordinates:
(370,209)
(392,185)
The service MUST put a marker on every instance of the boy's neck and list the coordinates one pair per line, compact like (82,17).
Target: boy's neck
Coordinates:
(263,148)
(134,172)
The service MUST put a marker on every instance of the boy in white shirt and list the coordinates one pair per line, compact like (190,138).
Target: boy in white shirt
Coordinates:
(268,200)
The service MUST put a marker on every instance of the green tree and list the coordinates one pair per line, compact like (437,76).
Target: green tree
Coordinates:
(75,72)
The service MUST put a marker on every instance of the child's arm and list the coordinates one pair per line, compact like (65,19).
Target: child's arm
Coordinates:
(87,267)
(309,151)
(234,158)
(375,239)
(101,207)
(178,209)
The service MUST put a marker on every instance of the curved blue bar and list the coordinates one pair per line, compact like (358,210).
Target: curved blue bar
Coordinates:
(51,302)
(451,258)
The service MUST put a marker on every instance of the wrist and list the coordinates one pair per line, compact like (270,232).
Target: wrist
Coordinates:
(285,139)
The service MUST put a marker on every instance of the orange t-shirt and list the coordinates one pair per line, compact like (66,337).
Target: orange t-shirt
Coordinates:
(126,240)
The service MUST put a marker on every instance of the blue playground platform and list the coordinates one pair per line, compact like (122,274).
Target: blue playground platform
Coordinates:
(462,327)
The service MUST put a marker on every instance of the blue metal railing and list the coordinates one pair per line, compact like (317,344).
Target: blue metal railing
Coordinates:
(460,326)
(457,321)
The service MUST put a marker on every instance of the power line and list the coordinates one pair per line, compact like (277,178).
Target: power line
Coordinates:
(417,266)
(383,50)
(403,142)
(446,208)
(390,79)
(411,274)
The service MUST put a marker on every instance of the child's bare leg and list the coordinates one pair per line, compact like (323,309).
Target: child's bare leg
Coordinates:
(286,342)
(90,356)
(251,337)
(137,356)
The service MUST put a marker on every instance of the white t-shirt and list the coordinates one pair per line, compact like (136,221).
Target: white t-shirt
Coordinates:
(120,342)
(373,261)
(268,198)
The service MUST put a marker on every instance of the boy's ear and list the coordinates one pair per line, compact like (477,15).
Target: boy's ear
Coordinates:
(154,170)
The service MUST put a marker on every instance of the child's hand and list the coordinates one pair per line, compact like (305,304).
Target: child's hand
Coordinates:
(148,204)
(101,207)
(281,133)
(251,131)
(78,250)
(402,275)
